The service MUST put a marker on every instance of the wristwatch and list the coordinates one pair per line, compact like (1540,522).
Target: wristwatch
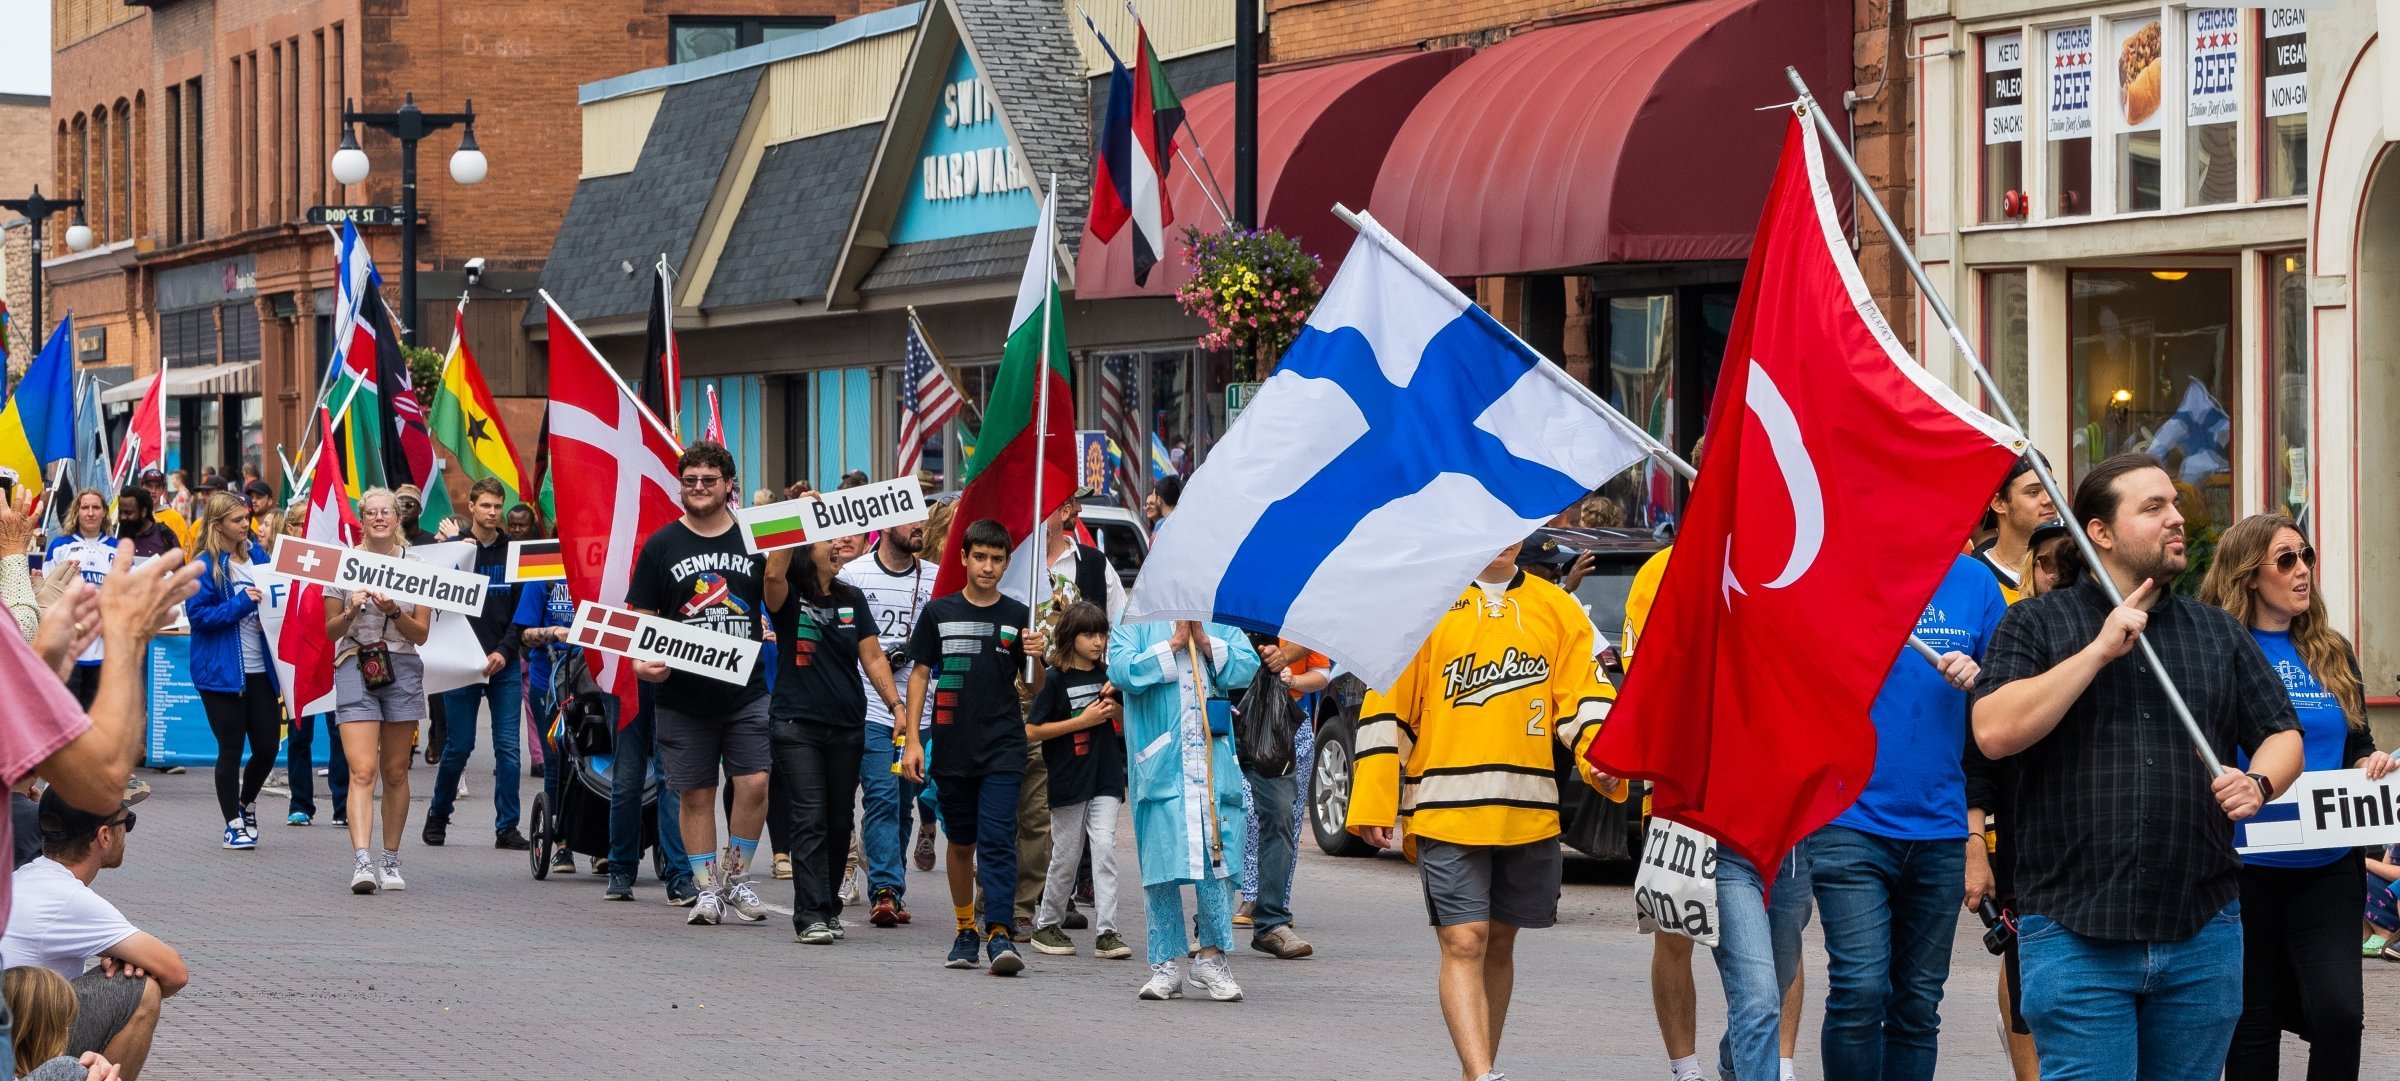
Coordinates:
(2266,792)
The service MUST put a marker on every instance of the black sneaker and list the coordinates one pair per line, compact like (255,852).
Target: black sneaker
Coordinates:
(437,830)
(963,949)
(620,888)
(681,893)
(1075,919)
(1006,961)
(511,840)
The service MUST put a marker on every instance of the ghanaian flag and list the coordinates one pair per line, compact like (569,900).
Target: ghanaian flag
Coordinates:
(463,417)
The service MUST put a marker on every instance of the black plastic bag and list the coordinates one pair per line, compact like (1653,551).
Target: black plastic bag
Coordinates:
(1266,726)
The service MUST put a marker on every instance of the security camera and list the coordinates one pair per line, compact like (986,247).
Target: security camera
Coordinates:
(474,270)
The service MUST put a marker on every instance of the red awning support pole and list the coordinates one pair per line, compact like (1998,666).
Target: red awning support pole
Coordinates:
(1815,114)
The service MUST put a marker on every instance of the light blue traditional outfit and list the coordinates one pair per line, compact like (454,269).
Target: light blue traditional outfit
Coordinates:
(1166,735)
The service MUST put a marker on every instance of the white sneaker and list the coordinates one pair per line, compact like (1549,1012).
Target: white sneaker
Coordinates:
(391,874)
(708,910)
(1213,977)
(1166,982)
(744,902)
(362,877)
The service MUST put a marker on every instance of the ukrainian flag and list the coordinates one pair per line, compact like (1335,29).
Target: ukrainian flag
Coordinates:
(38,425)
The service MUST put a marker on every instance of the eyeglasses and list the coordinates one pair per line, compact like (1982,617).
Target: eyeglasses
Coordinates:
(702,482)
(2287,559)
(377,512)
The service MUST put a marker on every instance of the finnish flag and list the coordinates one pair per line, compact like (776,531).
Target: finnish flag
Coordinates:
(1405,439)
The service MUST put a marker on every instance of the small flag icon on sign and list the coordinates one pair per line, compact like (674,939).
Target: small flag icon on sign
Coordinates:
(610,629)
(536,561)
(308,559)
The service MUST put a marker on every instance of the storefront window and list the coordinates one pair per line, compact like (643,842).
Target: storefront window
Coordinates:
(254,448)
(2151,358)
(2067,120)
(2283,98)
(2212,104)
(2287,385)
(2003,127)
(2140,61)
(2005,345)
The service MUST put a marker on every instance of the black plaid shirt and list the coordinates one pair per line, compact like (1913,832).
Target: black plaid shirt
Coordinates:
(2116,834)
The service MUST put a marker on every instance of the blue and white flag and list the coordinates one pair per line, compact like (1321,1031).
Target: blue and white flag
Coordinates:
(1405,439)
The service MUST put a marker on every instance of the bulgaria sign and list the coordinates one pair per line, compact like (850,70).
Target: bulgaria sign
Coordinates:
(831,515)
(679,646)
(355,569)
(2335,808)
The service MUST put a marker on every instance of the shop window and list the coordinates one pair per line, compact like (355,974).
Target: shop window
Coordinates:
(2288,471)
(2067,120)
(254,433)
(2151,356)
(2140,63)
(2006,347)
(2212,105)
(2003,127)
(697,38)
(2283,99)
(188,338)
(241,331)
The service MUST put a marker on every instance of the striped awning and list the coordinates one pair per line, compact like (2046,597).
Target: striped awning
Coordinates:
(203,382)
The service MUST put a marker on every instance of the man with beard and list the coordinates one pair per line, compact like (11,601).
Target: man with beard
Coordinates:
(2128,919)
(139,528)
(897,585)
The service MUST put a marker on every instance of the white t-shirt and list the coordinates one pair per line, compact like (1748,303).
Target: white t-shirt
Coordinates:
(57,922)
(895,599)
(92,556)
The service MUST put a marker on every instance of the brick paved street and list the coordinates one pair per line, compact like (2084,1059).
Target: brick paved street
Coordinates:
(478,971)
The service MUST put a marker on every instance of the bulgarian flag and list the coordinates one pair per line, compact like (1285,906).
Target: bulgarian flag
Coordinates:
(774,525)
(1024,462)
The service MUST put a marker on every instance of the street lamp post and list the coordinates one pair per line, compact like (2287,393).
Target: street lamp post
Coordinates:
(409,125)
(37,209)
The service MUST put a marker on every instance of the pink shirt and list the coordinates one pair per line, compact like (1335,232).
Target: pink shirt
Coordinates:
(42,717)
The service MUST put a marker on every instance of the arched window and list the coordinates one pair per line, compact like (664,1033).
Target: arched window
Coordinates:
(97,179)
(78,164)
(137,147)
(122,149)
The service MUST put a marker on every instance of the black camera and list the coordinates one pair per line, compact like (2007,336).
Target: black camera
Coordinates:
(896,656)
(1999,926)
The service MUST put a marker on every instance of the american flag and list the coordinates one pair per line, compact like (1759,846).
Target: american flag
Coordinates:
(927,400)
(1118,388)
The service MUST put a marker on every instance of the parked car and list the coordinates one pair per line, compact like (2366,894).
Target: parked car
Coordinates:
(1591,824)
(1123,535)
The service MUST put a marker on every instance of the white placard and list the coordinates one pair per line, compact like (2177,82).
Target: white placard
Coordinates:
(1676,887)
(453,656)
(2068,114)
(2284,56)
(679,646)
(352,569)
(2337,808)
(831,515)
(2003,88)
(2213,41)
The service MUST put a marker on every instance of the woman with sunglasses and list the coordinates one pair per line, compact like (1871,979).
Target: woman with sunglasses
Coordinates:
(229,662)
(379,695)
(2300,969)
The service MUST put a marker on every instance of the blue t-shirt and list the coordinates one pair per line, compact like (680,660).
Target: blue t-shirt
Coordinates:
(2324,735)
(542,605)
(1919,789)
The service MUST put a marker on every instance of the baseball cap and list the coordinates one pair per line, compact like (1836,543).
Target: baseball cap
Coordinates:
(154,473)
(257,488)
(62,821)
(2055,527)
(1543,549)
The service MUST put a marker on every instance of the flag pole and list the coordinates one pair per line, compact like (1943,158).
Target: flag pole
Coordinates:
(1041,417)
(968,404)
(1209,188)
(1865,193)
(1374,230)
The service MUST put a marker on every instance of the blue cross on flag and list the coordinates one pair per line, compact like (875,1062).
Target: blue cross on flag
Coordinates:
(1405,439)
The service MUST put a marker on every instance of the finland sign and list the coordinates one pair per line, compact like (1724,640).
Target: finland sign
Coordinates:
(2335,808)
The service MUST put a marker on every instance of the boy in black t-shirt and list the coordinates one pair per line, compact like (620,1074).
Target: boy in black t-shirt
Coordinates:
(978,639)
(1080,722)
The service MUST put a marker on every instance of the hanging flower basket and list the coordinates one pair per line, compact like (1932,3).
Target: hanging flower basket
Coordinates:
(1254,289)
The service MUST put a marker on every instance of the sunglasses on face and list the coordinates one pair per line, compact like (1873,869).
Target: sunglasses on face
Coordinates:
(126,822)
(701,482)
(2287,559)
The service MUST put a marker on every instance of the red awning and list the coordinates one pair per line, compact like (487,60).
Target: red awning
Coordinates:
(1627,139)
(1321,134)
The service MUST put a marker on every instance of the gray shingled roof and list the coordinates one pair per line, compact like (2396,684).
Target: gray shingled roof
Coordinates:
(793,221)
(955,259)
(655,208)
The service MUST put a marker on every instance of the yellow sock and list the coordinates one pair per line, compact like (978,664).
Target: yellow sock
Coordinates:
(965,915)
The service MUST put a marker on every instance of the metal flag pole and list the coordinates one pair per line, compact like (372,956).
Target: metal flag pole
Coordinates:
(1209,188)
(1550,370)
(2008,414)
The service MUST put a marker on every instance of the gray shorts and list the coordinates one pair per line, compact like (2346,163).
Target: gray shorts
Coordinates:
(1513,884)
(103,1004)
(402,701)
(690,745)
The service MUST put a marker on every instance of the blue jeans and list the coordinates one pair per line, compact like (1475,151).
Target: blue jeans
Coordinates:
(1890,913)
(1275,856)
(505,691)
(2147,1011)
(884,833)
(630,770)
(1758,954)
(300,764)
(982,811)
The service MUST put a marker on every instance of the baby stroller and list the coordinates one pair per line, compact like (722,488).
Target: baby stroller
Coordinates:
(580,732)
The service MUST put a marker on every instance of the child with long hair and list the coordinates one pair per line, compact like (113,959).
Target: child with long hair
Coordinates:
(1080,722)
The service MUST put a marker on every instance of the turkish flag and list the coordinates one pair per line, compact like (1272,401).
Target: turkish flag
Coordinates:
(1840,480)
(622,463)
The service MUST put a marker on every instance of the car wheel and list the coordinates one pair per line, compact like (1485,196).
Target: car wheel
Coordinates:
(1329,791)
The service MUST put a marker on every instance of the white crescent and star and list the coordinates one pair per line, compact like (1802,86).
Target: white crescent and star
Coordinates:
(1790,450)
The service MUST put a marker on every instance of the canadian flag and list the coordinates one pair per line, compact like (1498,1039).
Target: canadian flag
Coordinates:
(622,461)
(1841,479)
(303,655)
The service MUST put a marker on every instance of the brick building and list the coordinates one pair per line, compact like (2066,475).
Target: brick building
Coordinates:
(200,130)
(24,130)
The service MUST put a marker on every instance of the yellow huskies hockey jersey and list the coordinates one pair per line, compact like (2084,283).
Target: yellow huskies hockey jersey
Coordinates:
(1459,746)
